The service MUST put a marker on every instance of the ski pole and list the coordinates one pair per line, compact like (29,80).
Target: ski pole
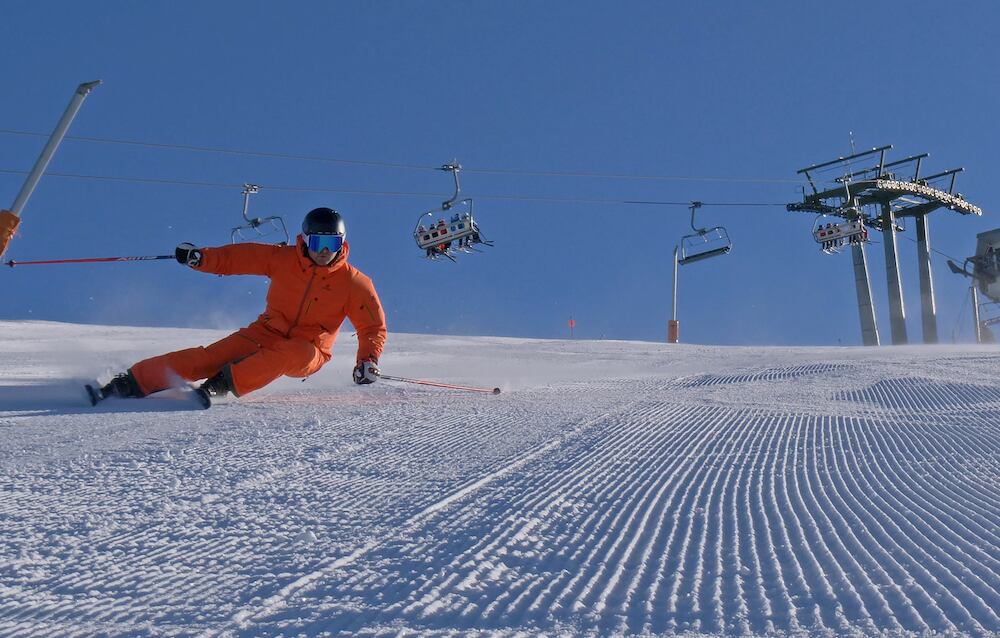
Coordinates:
(91,260)
(438,384)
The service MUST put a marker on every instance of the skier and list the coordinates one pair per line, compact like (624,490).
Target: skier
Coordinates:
(313,289)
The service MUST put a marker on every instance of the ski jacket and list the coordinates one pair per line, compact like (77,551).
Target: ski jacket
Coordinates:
(306,300)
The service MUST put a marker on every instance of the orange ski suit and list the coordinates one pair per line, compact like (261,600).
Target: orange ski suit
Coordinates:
(306,304)
(8,226)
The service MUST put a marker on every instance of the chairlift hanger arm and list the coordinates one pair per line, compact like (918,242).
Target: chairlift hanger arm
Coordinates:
(695,206)
(446,205)
(248,190)
(453,168)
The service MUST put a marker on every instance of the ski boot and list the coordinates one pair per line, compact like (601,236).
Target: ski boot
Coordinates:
(123,386)
(218,386)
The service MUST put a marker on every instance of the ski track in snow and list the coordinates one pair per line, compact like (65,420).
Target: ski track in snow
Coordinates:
(614,488)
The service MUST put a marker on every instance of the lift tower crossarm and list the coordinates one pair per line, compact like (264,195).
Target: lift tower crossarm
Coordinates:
(840,160)
(912,158)
(866,171)
(953,172)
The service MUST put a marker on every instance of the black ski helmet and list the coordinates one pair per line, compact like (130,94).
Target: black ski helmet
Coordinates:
(323,221)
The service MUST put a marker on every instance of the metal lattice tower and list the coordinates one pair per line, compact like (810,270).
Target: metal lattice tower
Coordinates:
(879,198)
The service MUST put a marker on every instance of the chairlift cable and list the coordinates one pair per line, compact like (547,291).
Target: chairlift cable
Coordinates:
(224,151)
(405,166)
(347,191)
(934,250)
(678,178)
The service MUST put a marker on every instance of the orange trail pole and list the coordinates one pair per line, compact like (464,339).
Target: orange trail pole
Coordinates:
(438,384)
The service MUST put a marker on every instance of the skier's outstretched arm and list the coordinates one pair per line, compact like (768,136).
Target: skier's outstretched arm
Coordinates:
(235,259)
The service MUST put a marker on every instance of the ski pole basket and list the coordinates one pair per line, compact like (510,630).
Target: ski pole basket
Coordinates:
(261,227)
(455,229)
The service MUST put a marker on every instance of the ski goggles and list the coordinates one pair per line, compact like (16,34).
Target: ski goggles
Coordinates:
(317,243)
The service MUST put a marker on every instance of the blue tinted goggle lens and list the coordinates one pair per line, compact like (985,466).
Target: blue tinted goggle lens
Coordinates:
(317,243)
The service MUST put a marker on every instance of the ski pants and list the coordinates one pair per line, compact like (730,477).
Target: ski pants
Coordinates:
(256,356)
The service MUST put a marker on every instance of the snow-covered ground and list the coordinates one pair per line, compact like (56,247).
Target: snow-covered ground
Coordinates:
(614,487)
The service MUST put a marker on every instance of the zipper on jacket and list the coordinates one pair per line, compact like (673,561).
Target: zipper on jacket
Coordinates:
(302,303)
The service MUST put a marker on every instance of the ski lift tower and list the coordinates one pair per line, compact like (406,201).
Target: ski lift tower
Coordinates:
(875,197)
(985,276)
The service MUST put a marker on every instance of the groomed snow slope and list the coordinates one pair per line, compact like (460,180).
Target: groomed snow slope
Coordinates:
(614,487)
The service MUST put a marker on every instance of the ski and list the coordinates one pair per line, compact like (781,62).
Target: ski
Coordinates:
(94,394)
(203,398)
(195,395)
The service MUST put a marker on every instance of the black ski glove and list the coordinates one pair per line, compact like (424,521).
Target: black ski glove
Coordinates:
(188,254)
(366,372)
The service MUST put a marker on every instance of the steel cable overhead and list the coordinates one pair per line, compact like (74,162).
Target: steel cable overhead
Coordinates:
(404,166)
(349,191)
(344,191)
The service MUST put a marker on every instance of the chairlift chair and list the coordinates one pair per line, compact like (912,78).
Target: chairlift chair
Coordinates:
(833,233)
(272,225)
(704,242)
(847,226)
(454,231)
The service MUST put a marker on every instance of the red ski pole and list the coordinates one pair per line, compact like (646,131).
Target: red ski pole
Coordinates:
(438,384)
(92,260)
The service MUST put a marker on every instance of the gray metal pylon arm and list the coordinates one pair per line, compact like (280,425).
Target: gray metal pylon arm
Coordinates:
(55,139)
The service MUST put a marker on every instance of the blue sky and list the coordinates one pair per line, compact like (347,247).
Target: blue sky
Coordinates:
(726,90)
